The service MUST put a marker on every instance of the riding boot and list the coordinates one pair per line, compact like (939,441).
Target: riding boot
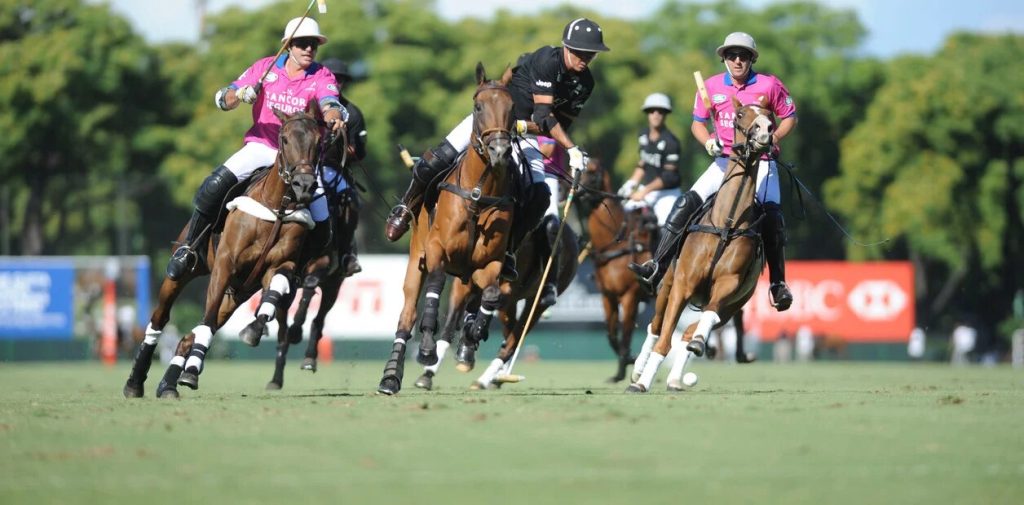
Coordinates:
(320,238)
(773,232)
(208,202)
(429,166)
(549,290)
(651,272)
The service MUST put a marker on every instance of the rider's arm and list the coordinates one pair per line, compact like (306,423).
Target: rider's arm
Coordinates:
(785,127)
(544,116)
(700,132)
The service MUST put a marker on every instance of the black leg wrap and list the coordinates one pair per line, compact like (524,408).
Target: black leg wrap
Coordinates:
(167,386)
(198,351)
(391,383)
(133,387)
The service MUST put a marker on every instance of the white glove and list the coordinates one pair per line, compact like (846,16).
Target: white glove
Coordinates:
(247,93)
(521,126)
(576,159)
(713,147)
(627,188)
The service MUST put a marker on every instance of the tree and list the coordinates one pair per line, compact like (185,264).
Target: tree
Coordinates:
(937,165)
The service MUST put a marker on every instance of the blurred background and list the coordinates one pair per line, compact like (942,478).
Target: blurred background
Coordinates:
(911,129)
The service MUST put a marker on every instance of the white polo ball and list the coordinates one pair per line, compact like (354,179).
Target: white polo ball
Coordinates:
(690,379)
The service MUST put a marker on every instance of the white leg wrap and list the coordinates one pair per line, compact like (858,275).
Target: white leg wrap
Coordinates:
(641,357)
(491,372)
(650,370)
(681,358)
(203,336)
(267,309)
(442,348)
(151,335)
(707,320)
(280,284)
(178,360)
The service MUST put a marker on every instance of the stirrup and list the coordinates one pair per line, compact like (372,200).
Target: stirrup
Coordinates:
(645,271)
(183,261)
(781,296)
(549,294)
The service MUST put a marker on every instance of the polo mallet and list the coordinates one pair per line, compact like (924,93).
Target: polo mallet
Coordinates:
(508,376)
(703,92)
(321,7)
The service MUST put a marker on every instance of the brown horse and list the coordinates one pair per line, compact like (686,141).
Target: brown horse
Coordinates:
(250,253)
(617,238)
(531,267)
(718,267)
(467,233)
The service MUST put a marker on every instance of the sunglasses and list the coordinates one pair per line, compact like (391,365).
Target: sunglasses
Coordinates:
(657,111)
(742,55)
(306,42)
(586,56)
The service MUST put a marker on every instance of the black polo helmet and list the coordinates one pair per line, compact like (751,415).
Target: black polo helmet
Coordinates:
(584,35)
(337,67)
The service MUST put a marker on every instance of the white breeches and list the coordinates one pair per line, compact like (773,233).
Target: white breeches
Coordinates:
(767,189)
(251,156)
(661,201)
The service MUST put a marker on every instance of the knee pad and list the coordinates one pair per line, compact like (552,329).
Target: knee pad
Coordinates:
(435,161)
(215,188)
(685,206)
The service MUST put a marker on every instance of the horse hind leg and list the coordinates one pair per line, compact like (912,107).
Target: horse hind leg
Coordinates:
(453,323)
(283,343)
(329,290)
(478,330)
(272,296)
(309,284)
(135,385)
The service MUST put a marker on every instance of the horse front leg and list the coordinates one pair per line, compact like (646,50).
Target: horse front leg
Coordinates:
(169,290)
(512,327)
(394,369)
(203,333)
(278,282)
(457,301)
(283,343)
(721,288)
(479,329)
(316,272)
(654,328)
(742,356)
(680,292)
(630,302)
(427,354)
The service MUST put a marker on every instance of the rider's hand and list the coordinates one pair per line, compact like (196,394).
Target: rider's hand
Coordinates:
(576,159)
(638,196)
(627,188)
(713,147)
(247,93)
(336,125)
(521,126)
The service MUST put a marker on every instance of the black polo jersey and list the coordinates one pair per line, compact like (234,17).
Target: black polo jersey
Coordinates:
(656,154)
(543,72)
(356,137)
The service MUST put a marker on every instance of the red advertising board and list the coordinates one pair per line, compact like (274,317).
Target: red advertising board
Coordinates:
(859,302)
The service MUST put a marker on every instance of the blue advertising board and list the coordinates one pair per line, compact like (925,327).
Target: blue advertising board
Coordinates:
(36,299)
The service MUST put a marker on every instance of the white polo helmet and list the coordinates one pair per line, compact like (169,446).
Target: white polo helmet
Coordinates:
(657,101)
(308,28)
(738,39)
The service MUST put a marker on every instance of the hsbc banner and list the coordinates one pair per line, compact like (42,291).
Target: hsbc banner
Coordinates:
(859,302)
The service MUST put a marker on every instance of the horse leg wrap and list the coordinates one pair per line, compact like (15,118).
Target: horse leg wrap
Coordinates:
(650,370)
(490,301)
(395,366)
(170,378)
(442,348)
(279,286)
(708,319)
(645,351)
(203,338)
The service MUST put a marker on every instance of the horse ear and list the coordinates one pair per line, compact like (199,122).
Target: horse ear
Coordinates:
(736,104)
(763,102)
(310,107)
(280,115)
(481,75)
(506,77)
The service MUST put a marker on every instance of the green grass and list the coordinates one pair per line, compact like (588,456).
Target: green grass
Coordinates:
(762,433)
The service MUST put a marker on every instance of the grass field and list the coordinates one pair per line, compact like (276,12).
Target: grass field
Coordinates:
(761,433)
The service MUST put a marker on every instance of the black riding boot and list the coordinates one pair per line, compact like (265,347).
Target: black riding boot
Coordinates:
(773,233)
(432,163)
(208,202)
(549,291)
(651,272)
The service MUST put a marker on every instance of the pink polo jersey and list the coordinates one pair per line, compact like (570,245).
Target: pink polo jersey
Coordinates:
(554,163)
(285,94)
(721,89)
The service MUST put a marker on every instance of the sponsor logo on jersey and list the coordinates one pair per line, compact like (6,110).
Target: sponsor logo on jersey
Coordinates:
(272,77)
(543,84)
(718,98)
(331,87)
(789,100)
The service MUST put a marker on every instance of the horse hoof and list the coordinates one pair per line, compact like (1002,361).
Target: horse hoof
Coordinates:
(189,380)
(477,386)
(464,367)
(675,386)
(426,381)
(251,335)
(428,358)
(133,390)
(636,388)
(748,357)
(465,358)
(712,351)
(273,386)
(308,364)
(170,393)
(617,378)
(634,377)
(389,386)
(295,334)
(696,347)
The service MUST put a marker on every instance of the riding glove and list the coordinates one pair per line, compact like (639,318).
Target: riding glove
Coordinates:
(713,147)
(247,93)
(627,188)
(576,159)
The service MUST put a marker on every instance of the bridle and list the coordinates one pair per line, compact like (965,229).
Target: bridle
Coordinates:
(286,169)
(480,138)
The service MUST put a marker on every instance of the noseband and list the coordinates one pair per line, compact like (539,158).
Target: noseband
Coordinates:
(480,139)
(748,147)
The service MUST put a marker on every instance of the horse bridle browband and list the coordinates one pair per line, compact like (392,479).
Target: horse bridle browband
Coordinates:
(479,137)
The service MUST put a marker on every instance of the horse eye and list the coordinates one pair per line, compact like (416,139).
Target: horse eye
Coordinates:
(477,107)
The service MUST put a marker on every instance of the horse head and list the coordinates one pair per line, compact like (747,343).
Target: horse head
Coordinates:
(298,153)
(752,128)
(492,120)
